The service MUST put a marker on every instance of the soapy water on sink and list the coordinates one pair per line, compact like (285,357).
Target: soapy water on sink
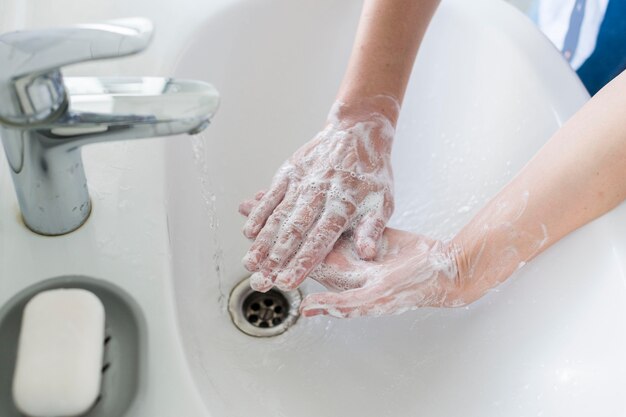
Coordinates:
(313,350)
(198,146)
(452,157)
(272,357)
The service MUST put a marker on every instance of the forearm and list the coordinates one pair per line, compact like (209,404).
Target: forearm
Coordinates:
(387,40)
(577,176)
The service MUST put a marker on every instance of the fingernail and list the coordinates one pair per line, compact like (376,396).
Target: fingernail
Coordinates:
(250,231)
(368,248)
(260,283)
(283,281)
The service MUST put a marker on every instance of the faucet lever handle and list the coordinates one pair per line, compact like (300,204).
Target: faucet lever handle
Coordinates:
(38,51)
(31,61)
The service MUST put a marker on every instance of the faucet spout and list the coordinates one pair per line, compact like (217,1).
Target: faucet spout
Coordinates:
(104,109)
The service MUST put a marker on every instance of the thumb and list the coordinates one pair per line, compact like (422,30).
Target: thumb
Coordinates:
(351,303)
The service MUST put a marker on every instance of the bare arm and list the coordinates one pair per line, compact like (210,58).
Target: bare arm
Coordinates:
(389,34)
(577,176)
(341,180)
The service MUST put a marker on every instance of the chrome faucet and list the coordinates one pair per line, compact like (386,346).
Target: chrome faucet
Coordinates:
(46,118)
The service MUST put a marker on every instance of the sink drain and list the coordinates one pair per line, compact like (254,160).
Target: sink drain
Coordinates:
(263,314)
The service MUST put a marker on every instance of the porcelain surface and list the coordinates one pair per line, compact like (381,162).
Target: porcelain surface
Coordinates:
(487,91)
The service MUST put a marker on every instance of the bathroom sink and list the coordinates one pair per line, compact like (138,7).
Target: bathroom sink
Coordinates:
(486,92)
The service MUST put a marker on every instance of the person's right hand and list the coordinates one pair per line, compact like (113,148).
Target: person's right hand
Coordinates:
(339,181)
(411,271)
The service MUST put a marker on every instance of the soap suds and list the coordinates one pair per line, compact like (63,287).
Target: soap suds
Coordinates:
(340,182)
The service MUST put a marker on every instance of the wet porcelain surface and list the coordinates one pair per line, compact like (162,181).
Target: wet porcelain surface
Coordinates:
(486,93)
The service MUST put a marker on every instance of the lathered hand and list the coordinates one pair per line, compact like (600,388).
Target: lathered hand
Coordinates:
(341,181)
(410,271)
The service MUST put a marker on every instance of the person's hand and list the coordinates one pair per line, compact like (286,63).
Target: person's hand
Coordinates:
(339,181)
(410,271)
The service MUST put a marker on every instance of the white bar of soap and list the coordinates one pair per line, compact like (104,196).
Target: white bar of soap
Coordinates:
(59,356)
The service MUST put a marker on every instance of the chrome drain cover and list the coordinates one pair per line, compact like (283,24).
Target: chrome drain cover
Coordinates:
(263,314)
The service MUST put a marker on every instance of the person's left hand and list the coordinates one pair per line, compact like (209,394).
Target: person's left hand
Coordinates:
(339,182)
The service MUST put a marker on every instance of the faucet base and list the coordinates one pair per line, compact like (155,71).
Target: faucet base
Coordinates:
(49,181)
(43,233)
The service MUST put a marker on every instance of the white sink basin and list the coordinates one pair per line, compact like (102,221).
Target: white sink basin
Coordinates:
(487,91)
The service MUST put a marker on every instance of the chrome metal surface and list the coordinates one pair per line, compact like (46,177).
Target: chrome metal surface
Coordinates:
(31,86)
(263,314)
(46,119)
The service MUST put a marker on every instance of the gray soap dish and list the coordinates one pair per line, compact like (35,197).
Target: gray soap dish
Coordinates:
(124,351)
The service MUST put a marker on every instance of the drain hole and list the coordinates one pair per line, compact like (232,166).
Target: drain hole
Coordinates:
(263,314)
(265,310)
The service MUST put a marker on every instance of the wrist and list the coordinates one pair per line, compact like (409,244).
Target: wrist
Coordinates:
(348,111)
(486,256)
(455,285)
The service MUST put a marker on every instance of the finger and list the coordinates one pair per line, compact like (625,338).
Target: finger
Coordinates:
(293,232)
(340,270)
(351,303)
(370,229)
(319,243)
(259,215)
(260,282)
(254,259)
(247,206)
(263,280)
(377,300)
(367,235)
